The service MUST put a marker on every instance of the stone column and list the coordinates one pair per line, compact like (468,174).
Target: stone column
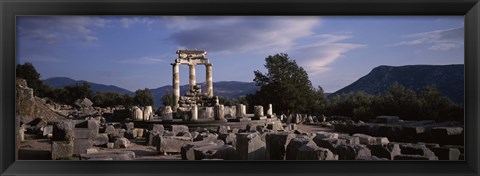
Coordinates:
(176,86)
(192,79)
(194,113)
(219,112)
(269,110)
(209,80)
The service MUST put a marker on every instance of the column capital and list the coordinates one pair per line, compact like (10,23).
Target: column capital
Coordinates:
(208,64)
(175,63)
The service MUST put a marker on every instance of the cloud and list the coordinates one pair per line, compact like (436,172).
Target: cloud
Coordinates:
(438,40)
(240,34)
(148,21)
(39,58)
(317,57)
(143,60)
(55,29)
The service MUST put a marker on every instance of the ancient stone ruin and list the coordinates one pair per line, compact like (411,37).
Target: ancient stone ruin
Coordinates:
(198,127)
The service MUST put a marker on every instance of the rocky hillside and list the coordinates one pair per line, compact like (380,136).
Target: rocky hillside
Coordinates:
(30,107)
(448,79)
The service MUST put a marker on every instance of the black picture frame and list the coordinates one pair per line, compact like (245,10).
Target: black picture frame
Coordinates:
(11,8)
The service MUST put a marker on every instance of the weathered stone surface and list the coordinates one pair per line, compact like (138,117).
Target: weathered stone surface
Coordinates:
(416,149)
(323,135)
(329,143)
(311,151)
(101,140)
(159,128)
(167,113)
(206,137)
(352,151)
(349,139)
(122,143)
(62,150)
(147,113)
(179,128)
(276,145)
(223,129)
(117,155)
(110,129)
(80,146)
(110,145)
(129,126)
(270,110)
(388,151)
(138,132)
(63,131)
(382,140)
(387,119)
(294,145)
(250,146)
(83,103)
(224,152)
(366,139)
(229,138)
(275,126)
(258,112)
(187,152)
(219,112)
(448,135)
(171,144)
(84,133)
(445,153)
(47,130)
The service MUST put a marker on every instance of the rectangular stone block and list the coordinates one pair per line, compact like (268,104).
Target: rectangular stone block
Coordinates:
(313,152)
(172,144)
(249,146)
(80,146)
(187,152)
(62,150)
(85,133)
(276,145)
(224,152)
(366,139)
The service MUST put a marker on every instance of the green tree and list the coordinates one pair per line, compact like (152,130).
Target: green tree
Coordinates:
(28,72)
(143,97)
(77,91)
(285,85)
(167,99)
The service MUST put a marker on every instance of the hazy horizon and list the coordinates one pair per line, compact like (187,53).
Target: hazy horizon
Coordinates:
(134,52)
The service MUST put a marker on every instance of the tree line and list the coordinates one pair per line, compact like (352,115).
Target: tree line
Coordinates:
(69,94)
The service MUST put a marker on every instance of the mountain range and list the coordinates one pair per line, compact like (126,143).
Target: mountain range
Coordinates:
(230,89)
(448,79)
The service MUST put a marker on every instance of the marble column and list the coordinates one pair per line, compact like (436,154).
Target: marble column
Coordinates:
(176,86)
(194,111)
(192,79)
(209,80)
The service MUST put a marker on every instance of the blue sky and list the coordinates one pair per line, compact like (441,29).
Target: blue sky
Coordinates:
(135,52)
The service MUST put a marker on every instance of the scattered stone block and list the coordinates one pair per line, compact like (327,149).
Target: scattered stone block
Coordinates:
(366,139)
(416,149)
(158,128)
(323,135)
(294,145)
(312,152)
(179,128)
(171,144)
(382,140)
(110,129)
(47,130)
(80,146)
(122,143)
(329,143)
(101,140)
(84,133)
(224,152)
(117,155)
(129,126)
(91,150)
(352,151)
(110,145)
(250,146)
(223,129)
(276,145)
(63,131)
(388,151)
(349,139)
(187,152)
(229,139)
(445,153)
(62,150)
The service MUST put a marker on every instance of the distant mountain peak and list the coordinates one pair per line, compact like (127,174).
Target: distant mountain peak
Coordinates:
(448,79)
